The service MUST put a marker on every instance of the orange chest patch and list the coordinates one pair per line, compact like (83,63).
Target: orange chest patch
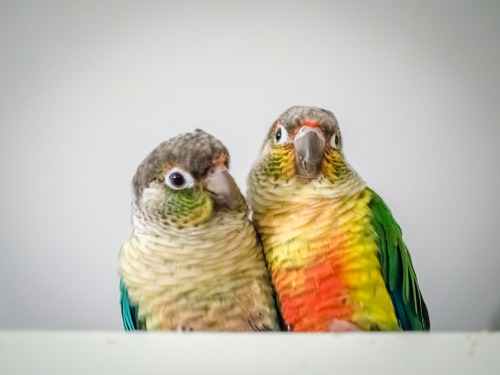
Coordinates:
(313,296)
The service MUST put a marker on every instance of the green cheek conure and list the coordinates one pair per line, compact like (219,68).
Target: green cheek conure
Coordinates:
(336,255)
(194,261)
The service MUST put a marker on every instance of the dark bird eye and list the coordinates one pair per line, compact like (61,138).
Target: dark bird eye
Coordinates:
(178,179)
(335,142)
(281,135)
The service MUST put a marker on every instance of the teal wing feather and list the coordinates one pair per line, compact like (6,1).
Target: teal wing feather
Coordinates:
(397,269)
(130,312)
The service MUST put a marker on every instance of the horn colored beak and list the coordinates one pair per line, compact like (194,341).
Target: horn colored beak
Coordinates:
(309,148)
(221,184)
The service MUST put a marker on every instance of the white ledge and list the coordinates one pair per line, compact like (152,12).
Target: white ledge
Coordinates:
(60,352)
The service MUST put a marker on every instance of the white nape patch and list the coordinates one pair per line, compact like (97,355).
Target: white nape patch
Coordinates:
(152,196)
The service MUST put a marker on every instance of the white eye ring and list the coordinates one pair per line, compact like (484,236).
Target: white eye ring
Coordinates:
(178,179)
(281,135)
(335,141)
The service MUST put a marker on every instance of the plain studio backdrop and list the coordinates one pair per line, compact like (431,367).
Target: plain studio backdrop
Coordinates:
(89,88)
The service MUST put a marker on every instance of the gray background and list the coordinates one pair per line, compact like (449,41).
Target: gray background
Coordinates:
(88,88)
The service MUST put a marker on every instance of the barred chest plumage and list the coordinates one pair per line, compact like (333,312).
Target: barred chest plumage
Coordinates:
(322,255)
(208,278)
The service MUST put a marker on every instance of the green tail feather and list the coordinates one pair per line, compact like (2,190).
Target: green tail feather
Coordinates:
(130,312)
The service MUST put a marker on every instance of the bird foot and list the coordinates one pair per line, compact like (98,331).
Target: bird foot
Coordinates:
(183,328)
(338,325)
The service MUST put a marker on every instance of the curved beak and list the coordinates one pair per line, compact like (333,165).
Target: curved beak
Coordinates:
(309,147)
(222,186)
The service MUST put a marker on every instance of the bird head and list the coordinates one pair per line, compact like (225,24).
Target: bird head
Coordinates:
(185,181)
(305,142)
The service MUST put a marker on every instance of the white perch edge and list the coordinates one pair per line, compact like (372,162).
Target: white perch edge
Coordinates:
(69,352)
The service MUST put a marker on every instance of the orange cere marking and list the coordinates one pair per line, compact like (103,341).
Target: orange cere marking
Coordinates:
(311,124)
(221,160)
(316,296)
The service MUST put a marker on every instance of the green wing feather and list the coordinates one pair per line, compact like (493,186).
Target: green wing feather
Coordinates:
(397,269)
